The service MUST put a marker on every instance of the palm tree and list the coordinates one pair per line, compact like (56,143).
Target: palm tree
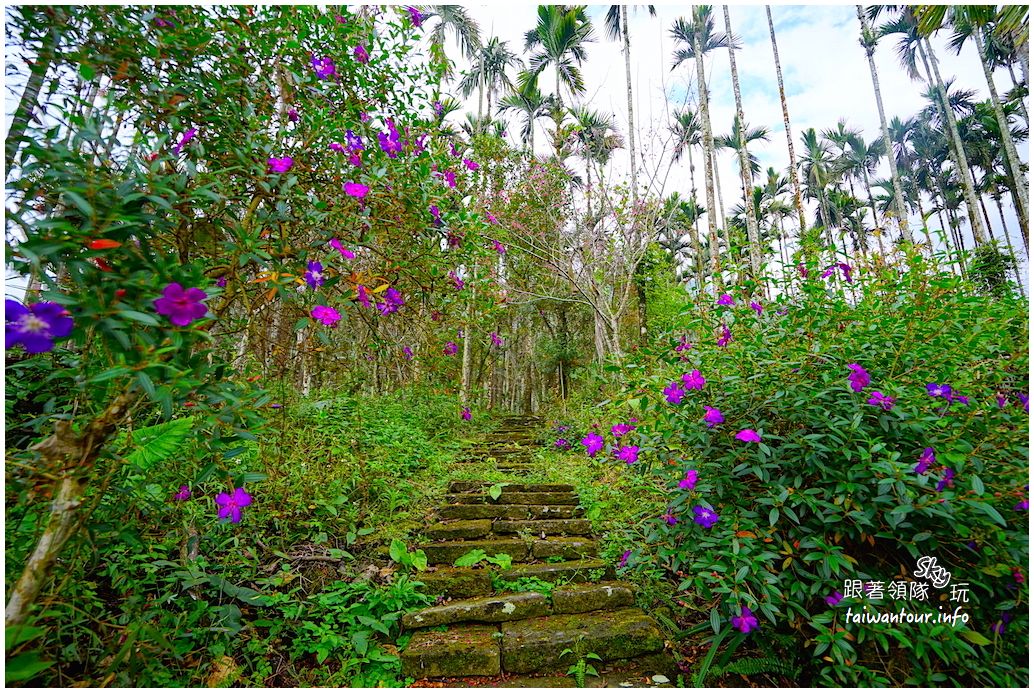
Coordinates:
(597,138)
(741,148)
(558,39)
(868,42)
(818,165)
(528,101)
(747,136)
(786,125)
(464,29)
(616,23)
(698,37)
(488,71)
(686,130)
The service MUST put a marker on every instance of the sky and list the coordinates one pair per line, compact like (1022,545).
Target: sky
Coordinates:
(825,73)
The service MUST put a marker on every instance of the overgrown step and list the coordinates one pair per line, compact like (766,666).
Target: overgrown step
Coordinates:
(569,527)
(496,609)
(465,650)
(581,598)
(456,583)
(462,529)
(476,486)
(509,512)
(446,553)
(508,497)
(586,570)
(536,644)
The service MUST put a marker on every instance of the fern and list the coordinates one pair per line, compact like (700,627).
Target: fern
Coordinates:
(157,443)
(756,666)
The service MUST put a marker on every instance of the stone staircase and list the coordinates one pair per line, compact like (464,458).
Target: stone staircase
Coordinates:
(514,623)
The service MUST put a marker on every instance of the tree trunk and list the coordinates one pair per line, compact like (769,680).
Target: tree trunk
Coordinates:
(794,180)
(1011,158)
(30,95)
(899,198)
(709,172)
(1008,242)
(754,250)
(631,123)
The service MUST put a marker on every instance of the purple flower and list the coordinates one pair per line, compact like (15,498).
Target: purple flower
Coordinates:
(713,417)
(1024,400)
(360,54)
(354,141)
(834,599)
(693,380)
(415,16)
(436,215)
(593,443)
(726,300)
(456,280)
(362,296)
(618,430)
(184,138)
(183,494)
(1002,400)
(325,314)
(452,149)
(859,377)
(471,165)
(705,517)
(392,302)
(748,435)
(499,247)
(37,326)
(345,252)
(935,390)
(408,353)
(999,626)
(450,348)
(439,108)
(878,399)
(674,394)
(726,336)
(843,267)
(281,165)
(756,307)
(337,147)
(230,504)
(947,479)
(802,270)
(628,454)
(314,275)
(496,339)
(562,444)
(624,558)
(683,345)
(221,282)
(292,115)
(961,399)
(450,179)
(690,482)
(324,67)
(182,306)
(1022,505)
(746,621)
(670,519)
(391,143)
(925,460)
(356,190)
(465,414)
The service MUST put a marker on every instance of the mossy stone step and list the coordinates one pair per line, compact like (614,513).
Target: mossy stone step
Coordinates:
(448,552)
(456,583)
(496,609)
(462,650)
(508,497)
(463,529)
(535,644)
(579,599)
(475,486)
(568,548)
(509,512)
(570,527)
(585,570)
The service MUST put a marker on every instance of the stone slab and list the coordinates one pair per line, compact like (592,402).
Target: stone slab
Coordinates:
(464,650)
(496,609)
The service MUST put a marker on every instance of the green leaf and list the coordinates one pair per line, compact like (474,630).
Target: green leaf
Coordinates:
(470,558)
(495,491)
(80,202)
(16,635)
(23,667)
(137,316)
(978,485)
(158,443)
(87,72)
(397,550)
(419,559)
(975,637)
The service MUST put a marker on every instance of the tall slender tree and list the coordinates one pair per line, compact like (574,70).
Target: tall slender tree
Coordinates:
(488,73)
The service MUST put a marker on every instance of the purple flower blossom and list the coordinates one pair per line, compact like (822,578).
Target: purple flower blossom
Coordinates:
(999,626)
(1001,399)
(439,108)
(324,67)
(292,115)
(834,599)
(693,380)
(756,307)
(843,267)
(451,348)
(683,345)
(465,414)
(726,300)
(456,280)
(624,558)
(713,417)
(392,302)
(935,390)
(726,336)
(674,394)
(360,54)
(345,252)
(184,138)
(221,282)
(748,435)
(562,444)
(947,480)
(628,454)
(230,504)
(878,399)
(618,430)
(859,377)
(325,314)
(670,519)
(925,460)
(499,247)
(37,326)
(362,296)
(391,143)
(802,271)
(314,274)
(281,165)
(452,149)
(593,443)
(450,179)
(1024,400)
(354,141)
(1022,505)
(471,165)
(356,190)
(746,621)
(337,147)
(436,215)
(181,306)
(705,517)
(690,482)
(183,494)
(408,353)
(961,399)
(415,16)
(496,339)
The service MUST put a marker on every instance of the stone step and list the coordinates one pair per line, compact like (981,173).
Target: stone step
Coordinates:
(462,529)
(509,512)
(580,528)
(508,497)
(568,548)
(475,486)
(455,583)
(534,645)
(447,552)
(586,570)
(585,597)
(462,650)
(495,609)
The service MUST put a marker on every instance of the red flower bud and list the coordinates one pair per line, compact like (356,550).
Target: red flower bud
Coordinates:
(103,244)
